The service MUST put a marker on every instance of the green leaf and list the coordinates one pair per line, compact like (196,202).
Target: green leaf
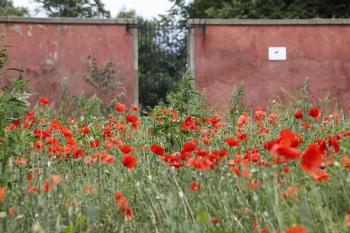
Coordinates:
(68,229)
(202,217)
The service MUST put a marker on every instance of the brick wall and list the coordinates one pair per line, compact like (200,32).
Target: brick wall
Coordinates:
(49,50)
(226,52)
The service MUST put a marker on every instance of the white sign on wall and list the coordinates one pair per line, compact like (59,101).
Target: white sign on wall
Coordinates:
(277,53)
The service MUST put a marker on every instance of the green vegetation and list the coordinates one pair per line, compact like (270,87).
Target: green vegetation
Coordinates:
(74,8)
(7,9)
(183,168)
(261,9)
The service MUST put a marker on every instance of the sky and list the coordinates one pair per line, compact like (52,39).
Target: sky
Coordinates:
(146,8)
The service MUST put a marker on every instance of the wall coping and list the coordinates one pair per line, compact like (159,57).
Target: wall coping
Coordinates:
(268,22)
(65,20)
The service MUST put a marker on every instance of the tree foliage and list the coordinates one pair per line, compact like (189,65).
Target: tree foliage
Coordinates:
(262,9)
(75,8)
(8,9)
(127,14)
(162,59)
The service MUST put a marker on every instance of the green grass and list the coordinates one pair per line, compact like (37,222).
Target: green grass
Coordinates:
(158,194)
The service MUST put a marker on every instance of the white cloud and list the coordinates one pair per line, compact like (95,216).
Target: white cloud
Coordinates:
(146,8)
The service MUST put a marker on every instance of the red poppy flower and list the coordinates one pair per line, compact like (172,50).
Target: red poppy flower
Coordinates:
(85,129)
(78,152)
(41,133)
(119,107)
(157,149)
(126,148)
(345,160)
(320,176)
(254,184)
(223,152)
(289,153)
(305,125)
(288,138)
(39,144)
(334,142)
(235,170)
(198,163)
(2,194)
(109,144)
(259,114)
(131,118)
(32,189)
(291,191)
(44,100)
(241,136)
(123,205)
(107,158)
(20,161)
(206,140)
(298,114)
(11,211)
(284,145)
(120,199)
(314,112)
(134,107)
(348,219)
(188,147)
(194,186)
(33,172)
(128,214)
(272,117)
(56,179)
(129,161)
(231,142)
(51,141)
(286,169)
(296,229)
(49,185)
(88,160)
(214,220)
(16,122)
(94,143)
(66,132)
(311,158)
(242,119)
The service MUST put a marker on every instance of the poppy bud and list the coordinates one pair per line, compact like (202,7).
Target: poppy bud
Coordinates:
(314,112)
(298,114)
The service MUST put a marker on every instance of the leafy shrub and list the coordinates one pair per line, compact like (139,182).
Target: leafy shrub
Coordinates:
(103,80)
(104,83)
(186,99)
(236,104)
(13,103)
(183,101)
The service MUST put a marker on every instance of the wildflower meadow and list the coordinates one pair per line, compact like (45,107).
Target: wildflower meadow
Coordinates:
(180,168)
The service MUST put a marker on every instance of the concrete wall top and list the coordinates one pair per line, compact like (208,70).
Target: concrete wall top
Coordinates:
(65,20)
(268,21)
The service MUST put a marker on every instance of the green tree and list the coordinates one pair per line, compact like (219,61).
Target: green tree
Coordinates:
(162,56)
(8,9)
(127,14)
(75,8)
(262,9)
(162,59)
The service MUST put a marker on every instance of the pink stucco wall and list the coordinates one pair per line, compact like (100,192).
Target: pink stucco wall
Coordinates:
(50,50)
(226,54)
